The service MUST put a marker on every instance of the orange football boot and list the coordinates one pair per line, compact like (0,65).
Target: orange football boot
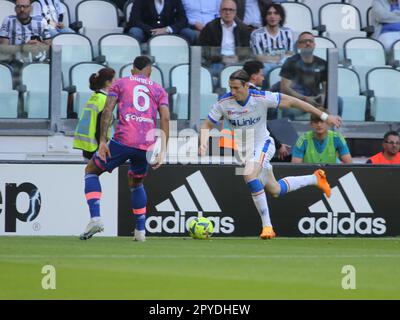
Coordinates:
(267,233)
(322,182)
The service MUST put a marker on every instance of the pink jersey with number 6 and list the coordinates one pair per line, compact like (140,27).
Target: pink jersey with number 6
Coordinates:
(139,99)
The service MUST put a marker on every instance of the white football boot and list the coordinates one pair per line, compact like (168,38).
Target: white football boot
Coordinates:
(92,228)
(140,235)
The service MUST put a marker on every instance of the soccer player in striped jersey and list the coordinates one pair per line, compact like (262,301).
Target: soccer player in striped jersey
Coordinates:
(245,111)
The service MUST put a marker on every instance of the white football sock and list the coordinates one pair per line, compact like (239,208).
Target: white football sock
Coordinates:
(261,204)
(298,182)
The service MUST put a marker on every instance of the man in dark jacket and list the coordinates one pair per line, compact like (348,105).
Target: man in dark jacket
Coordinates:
(155,17)
(225,39)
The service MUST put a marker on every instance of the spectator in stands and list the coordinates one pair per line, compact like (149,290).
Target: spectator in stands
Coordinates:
(199,13)
(156,17)
(255,69)
(22,29)
(87,133)
(321,145)
(250,12)
(304,76)
(386,19)
(226,39)
(390,153)
(272,43)
(53,13)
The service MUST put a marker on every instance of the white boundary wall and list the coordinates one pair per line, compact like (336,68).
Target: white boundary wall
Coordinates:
(63,208)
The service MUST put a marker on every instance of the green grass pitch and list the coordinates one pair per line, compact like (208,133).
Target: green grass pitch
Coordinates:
(183,268)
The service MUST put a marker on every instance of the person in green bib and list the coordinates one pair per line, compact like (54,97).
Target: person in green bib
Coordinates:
(87,132)
(321,145)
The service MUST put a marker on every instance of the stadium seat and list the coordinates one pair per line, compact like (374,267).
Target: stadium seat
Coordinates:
(168,51)
(364,54)
(179,78)
(8,96)
(273,77)
(98,18)
(321,46)
(362,6)
(225,73)
(119,49)
(370,17)
(315,6)
(36,93)
(79,77)
(354,104)
(6,9)
(298,18)
(385,103)
(156,74)
(67,15)
(395,52)
(127,9)
(72,4)
(75,48)
(342,21)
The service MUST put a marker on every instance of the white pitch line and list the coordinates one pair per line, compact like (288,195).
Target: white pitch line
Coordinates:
(94,256)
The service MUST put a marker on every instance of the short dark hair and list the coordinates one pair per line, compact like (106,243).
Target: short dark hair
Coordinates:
(390,133)
(141,62)
(278,7)
(241,75)
(253,67)
(305,32)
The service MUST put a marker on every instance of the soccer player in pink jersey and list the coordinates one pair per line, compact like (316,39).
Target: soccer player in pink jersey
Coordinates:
(139,100)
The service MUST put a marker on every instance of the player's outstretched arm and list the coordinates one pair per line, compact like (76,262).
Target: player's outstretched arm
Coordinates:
(106,117)
(204,136)
(291,102)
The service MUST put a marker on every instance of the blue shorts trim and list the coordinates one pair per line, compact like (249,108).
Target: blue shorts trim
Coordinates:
(119,155)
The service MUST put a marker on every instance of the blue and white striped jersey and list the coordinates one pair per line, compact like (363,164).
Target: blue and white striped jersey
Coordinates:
(19,33)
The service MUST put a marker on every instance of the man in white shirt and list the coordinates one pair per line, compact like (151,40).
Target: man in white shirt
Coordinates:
(199,13)
(225,39)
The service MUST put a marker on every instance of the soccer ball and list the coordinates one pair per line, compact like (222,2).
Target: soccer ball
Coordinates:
(201,228)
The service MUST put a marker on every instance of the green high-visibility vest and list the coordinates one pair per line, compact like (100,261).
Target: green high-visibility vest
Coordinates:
(328,155)
(85,133)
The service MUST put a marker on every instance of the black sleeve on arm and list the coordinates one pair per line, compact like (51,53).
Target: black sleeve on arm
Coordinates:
(288,70)
(98,124)
(136,17)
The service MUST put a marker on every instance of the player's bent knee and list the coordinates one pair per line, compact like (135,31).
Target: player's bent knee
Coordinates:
(134,182)
(274,190)
(91,168)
